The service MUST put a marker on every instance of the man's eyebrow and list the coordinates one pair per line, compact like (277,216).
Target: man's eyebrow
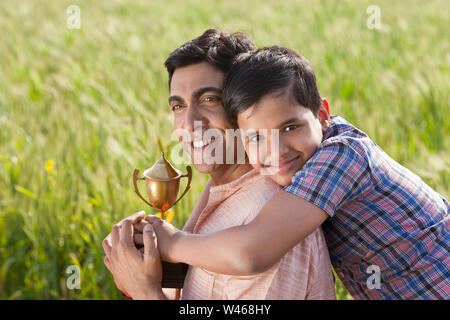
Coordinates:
(175,98)
(197,94)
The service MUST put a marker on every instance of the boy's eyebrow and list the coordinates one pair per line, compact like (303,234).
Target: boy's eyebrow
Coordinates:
(287,122)
(291,120)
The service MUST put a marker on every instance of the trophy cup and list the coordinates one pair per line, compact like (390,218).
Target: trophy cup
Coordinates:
(162,185)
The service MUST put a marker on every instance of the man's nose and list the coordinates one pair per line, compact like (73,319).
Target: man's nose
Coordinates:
(194,120)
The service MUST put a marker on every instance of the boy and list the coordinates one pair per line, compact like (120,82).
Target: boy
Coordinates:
(377,216)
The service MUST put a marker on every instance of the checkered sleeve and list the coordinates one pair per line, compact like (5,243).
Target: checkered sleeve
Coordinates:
(335,174)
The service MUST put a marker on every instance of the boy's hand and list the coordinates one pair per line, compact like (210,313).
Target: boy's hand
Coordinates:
(138,228)
(167,236)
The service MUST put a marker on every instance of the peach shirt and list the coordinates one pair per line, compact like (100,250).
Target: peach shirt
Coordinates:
(303,273)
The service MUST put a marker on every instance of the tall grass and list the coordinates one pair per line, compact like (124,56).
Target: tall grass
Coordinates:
(80,109)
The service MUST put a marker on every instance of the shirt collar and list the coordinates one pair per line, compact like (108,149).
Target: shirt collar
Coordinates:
(221,192)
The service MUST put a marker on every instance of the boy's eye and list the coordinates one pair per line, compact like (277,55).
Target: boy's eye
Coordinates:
(255,138)
(290,128)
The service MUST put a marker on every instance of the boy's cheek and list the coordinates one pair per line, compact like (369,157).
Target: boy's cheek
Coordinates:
(253,157)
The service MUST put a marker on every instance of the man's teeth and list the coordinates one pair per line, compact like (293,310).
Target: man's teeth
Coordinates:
(202,143)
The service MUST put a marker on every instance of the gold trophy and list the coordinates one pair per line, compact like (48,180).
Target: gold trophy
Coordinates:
(162,185)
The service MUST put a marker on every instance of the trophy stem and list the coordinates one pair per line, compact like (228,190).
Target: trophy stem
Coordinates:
(162,215)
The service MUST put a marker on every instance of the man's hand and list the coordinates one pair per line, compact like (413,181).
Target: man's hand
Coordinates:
(167,236)
(137,273)
(135,219)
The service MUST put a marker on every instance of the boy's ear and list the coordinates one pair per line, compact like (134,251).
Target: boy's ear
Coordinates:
(324,115)
(325,103)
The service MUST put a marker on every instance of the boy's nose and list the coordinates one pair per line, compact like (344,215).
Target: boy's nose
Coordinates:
(277,147)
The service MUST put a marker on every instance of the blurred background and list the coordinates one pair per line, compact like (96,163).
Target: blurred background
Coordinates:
(80,108)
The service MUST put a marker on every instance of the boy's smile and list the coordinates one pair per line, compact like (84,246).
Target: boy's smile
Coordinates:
(300,134)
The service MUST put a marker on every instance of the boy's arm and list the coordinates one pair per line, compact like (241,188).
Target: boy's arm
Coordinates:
(284,221)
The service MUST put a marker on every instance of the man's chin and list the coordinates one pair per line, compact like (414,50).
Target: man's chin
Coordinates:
(204,168)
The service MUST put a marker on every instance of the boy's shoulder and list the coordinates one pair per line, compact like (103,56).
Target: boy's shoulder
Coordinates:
(343,139)
(342,131)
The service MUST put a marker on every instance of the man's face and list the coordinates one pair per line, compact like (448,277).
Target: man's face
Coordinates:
(300,134)
(195,100)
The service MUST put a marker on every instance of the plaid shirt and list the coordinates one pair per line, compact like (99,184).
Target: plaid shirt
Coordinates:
(380,215)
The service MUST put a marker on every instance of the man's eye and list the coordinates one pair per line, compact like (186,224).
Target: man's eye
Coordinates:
(175,107)
(211,99)
(290,128)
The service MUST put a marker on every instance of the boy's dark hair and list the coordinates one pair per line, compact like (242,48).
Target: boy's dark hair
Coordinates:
(219,48)
(267,70)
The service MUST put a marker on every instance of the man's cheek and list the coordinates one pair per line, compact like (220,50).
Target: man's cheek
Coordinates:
(184,138)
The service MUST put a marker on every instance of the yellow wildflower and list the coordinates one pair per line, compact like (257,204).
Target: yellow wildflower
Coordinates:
(50,167)
(168,216)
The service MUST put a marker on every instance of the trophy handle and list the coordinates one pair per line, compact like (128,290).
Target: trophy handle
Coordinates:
(135,179)
(189,176)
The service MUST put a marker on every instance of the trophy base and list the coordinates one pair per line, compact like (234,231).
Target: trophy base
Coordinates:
(173,274)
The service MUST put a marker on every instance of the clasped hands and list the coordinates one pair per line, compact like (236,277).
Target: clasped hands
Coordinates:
(134,253)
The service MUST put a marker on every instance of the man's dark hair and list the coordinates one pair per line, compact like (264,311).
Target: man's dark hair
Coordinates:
(267,70)
(216,47)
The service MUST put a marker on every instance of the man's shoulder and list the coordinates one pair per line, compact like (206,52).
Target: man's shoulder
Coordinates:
(255,195)
(252,196)
(252,189)
(241,200)
(260,185)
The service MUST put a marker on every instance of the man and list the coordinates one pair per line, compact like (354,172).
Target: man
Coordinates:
(233,196)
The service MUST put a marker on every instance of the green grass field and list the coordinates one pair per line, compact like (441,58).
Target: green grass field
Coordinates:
(81,108)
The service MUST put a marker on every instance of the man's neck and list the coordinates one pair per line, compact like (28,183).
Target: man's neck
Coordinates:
(229,173)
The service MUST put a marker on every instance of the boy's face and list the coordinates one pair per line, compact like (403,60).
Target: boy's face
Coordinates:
(300,134)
